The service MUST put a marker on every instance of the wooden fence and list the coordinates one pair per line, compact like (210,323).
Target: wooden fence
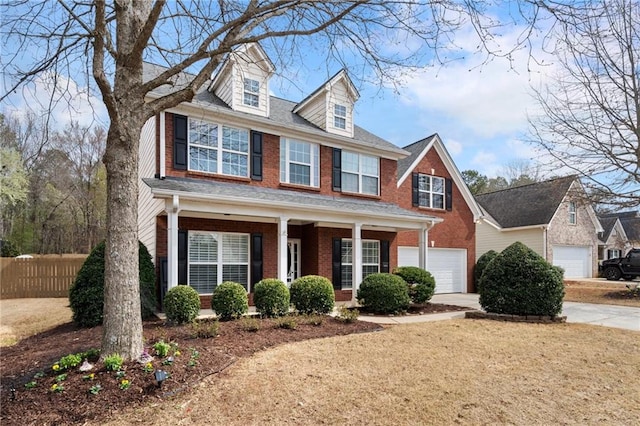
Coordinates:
(47,276)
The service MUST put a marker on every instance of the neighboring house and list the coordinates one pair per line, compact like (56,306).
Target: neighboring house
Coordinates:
(553,218)
(621,233)
(238,185)
(429,182)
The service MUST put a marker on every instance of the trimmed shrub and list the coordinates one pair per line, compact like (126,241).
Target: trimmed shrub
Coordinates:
(312,294)
(182,304)
(86,296)
(481,264)
(271,297)
(421,283)
(384,293)
(520,282)
(230,300)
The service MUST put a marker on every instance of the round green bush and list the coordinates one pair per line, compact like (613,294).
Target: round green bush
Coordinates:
(312,294)
(421,283)
(481,264)
(229,300)
(86,296)
(384,293)
(181,304)
(518,281)
(271,297)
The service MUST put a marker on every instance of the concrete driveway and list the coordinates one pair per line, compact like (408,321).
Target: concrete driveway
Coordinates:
(607,315)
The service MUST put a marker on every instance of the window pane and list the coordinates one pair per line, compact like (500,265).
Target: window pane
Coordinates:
(251,85)
(235,139)
(370,252)
(203,278)
(316,165)
(350,162)
(283,160)
(236,273)
(424,199)
(438,185)
(203,248)
(299,152)
(368,270)
(299,174)
(369,185)
(235,248)
(339,123)
(438,201)
(346,274)
(349,182)
(203,159)
(424,183)
(347,252)
(234,164)
(340,110)
(369,165)
(203,133)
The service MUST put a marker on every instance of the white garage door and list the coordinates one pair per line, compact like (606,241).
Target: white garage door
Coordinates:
(576,261)
(448,267)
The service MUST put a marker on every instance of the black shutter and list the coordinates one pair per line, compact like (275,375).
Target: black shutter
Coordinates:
(336,258)
(336,177)
(179,142)
(384,256)
(415,194)
(448,189)
(256,155)
(256,258)
(182,257)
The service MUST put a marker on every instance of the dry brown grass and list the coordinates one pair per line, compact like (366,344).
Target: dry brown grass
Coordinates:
(595,291)
(20,318)
(448,372)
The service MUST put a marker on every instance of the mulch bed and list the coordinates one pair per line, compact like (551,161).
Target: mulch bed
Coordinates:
(624,295)
(423,309)
(198,358)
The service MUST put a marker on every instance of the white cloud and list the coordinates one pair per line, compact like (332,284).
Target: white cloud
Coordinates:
(454,147)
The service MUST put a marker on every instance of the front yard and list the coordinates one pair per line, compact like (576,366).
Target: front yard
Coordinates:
(601,291)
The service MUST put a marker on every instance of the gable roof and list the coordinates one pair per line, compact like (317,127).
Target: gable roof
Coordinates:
(251,52)
(527,205)
(340,75)
(418,150)
(630,222)
(280,114)
(608,223)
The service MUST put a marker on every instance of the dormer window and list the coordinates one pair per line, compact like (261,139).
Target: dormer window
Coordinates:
(340,116)
(251,92)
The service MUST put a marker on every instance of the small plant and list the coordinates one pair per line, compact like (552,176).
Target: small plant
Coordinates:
(57,388)
(347,315)
(56,367)
(91,355)
(384,293)
(70,361)
(38,375)
(168,361)
(271,297)
(125,384)
(148,368)
(193,359)
(61,377)
(229,300)
(288,323)
(90,376)
(162,348)
(316,320)
(120,374)
(182,304)
(205,328)
(93,390)
(30,385)
(312,294)
(250,324)
(113,362)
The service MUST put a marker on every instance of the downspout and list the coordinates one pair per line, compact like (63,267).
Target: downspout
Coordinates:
(163,147)
(544,242)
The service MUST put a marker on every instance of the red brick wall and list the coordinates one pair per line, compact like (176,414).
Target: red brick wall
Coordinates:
(456,231)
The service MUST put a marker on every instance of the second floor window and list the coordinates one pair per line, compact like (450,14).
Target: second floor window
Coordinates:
(360,173)
(430,191)
(572,213)
(299,162)
(251,92)
(218,149)
(339,116)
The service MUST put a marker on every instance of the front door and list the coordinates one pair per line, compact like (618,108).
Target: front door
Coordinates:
(293,260)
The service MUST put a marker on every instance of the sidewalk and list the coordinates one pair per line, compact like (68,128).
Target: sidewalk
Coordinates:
(624,317)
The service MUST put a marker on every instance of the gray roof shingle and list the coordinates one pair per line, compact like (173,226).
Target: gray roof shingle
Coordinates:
(414,149)
(607,225)
(630,222)
(527,205)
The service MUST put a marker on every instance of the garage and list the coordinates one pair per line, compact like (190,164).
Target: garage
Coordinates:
(448,267)
(575,260)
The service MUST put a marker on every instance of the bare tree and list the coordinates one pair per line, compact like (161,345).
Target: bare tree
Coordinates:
(115,37)
(590,121)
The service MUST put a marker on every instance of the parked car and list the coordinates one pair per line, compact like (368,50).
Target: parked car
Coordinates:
(627,267)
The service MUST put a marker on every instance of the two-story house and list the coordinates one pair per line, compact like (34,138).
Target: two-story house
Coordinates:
(238,185)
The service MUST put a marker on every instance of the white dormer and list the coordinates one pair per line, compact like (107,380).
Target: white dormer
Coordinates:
(330,107)
(243,81)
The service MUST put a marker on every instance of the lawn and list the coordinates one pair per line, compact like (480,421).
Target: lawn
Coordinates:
(448,372)
(20,318)
(601,292)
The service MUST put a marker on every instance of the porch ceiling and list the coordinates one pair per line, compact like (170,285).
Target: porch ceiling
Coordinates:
(231,201)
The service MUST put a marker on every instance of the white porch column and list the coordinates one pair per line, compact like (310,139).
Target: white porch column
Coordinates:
(172,209)
(282,249)
(356,238)
(423,248)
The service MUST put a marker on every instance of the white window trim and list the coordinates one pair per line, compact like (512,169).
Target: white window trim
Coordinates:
(337,116)
(250,93)
(314,169)
(377,265)
(219,149)
(220,262)
(361,174)
(431,192)
(573,213)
